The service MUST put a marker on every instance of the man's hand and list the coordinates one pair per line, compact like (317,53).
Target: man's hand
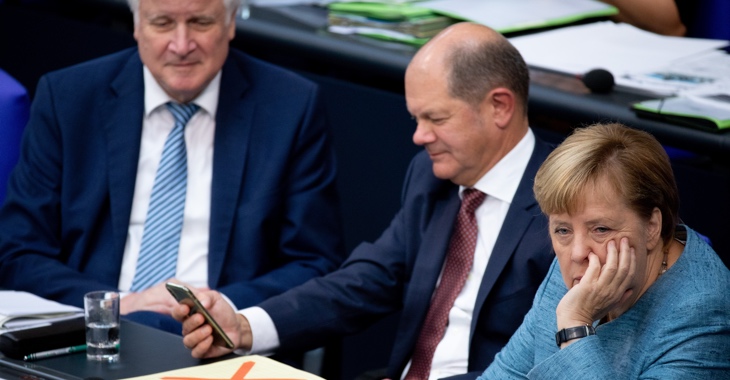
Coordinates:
(198,335)
(155,298)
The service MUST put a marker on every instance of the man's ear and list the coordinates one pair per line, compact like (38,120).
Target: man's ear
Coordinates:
(502,103)
(654,229)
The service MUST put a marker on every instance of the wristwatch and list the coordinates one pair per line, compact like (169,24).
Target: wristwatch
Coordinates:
(571,333)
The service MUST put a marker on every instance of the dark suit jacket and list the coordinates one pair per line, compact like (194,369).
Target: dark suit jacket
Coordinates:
(399,272)
(274,219)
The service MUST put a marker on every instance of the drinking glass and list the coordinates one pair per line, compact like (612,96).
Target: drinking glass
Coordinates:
(101,311)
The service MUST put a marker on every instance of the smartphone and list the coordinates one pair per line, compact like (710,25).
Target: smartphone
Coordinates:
(184,296)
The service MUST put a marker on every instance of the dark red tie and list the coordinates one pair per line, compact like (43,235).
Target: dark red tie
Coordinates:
(458,264)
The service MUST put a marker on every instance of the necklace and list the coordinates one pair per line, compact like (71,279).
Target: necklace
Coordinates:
(664,262)
(666,256)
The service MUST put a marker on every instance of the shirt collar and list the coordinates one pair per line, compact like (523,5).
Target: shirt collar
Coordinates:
(502,180)
(155,96)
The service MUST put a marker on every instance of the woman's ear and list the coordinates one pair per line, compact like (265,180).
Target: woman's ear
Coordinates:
(654,229)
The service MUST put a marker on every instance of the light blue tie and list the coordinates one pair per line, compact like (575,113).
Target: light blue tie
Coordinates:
(161,237)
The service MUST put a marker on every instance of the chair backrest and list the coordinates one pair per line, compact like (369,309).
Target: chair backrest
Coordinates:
(14,111)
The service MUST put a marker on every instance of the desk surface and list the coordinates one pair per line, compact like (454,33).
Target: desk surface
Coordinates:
(143,350)
(295,36)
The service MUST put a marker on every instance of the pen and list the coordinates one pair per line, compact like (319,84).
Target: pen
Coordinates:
(56,352)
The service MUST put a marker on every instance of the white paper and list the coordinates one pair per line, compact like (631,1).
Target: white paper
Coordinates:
(15,304)
(629,53)
(691,106)
(707,73)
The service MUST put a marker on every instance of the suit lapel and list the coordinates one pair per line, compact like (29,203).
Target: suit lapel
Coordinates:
(435,241)
(124,109)
(521,214)
(426,270)
(234,121)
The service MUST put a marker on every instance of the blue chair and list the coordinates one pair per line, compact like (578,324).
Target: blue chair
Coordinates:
(14,111)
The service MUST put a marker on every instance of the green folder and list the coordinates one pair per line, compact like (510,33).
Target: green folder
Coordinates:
(401,22)
(688,111)
(382,11)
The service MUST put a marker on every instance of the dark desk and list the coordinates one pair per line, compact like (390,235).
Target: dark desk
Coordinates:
(295,37)
(143,350)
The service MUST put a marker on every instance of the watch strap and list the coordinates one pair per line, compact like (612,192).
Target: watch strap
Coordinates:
(571,333)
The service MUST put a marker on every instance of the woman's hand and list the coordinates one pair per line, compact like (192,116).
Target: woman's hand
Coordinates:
(602,288)
(198,335)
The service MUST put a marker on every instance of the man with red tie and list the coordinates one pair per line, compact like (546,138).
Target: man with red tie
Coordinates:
(461,260)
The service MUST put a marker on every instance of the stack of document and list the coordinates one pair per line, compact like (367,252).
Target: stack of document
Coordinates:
(639,60)
(709,112)
(507,16)
(415,21)
(25,310)
(690,74)
(403,22)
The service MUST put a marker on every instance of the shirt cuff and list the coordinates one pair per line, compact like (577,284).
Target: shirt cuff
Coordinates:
(263,331)
(225,297)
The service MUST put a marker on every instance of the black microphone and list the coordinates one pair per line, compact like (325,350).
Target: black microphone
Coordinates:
(599,81)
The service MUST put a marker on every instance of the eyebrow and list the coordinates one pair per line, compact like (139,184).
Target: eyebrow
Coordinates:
(596,220)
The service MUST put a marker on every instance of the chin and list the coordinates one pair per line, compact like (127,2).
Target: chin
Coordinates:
(187,92)
(442,171)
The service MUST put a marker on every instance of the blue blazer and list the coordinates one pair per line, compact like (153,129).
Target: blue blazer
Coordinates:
(274,220)
(399,272)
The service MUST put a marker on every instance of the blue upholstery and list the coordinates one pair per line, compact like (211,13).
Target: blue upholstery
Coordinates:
(712,19)
(14,109)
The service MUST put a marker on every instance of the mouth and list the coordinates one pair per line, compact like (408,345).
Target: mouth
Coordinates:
(182,64)
(434,155)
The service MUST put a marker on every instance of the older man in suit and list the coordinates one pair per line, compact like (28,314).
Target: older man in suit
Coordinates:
(466,253)
(178,160)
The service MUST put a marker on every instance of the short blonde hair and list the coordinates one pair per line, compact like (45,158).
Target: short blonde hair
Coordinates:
(632,161)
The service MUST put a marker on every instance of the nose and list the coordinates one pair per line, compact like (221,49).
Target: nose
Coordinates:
(182,42)
(580,249)
(423,134)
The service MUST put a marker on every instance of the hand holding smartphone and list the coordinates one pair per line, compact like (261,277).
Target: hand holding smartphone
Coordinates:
(184,296)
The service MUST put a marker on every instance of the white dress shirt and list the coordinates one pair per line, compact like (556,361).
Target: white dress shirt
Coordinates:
(192,261)
(452,353)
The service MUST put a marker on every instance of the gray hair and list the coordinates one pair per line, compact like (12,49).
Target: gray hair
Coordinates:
(231,6)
